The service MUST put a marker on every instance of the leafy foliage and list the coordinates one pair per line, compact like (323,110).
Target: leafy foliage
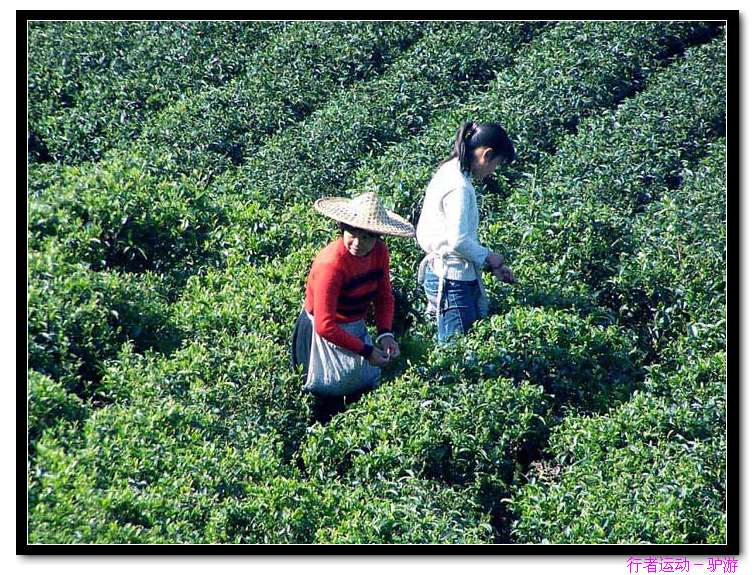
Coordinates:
(566,73)
(50,405)
(92,85)
(147,472)
(652,470)
(569,228)
(171,231)
(297,71)
(675,285)
(117,218)
(78,318)
(437,72)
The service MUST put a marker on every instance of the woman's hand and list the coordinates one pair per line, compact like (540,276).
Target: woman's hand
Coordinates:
(378,357)
(494,260)
(504,274)
(390,346)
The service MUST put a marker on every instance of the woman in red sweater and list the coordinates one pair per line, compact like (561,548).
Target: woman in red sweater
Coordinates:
(348,276)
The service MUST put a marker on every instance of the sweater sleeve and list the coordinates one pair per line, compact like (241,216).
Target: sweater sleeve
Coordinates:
(326,287)
(384,303)
(461,238)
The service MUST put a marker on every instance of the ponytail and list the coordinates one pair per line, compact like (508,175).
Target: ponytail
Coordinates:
(471,135)
(462,148)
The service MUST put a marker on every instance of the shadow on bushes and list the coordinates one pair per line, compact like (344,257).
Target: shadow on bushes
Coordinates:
(78,319)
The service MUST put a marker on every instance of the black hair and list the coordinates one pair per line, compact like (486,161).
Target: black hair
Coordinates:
(343,227)
(472,135)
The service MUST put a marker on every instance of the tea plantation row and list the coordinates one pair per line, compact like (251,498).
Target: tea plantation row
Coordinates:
(295,74)
(92,84)
(558,419)
(215,82)
(59,207)
(574,236)
(107,217)
(159,241)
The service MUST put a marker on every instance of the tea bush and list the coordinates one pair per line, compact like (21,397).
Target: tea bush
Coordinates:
(473,406)
(405,167)
(652,470)
(263,299)
(244,298)
(407,511)
(295,73)
(689,404)
(683,107)
(92,85)
(159,470)
(280,510)
(568,72)
(242,378)
(78,318)
(298,511)
(592,367)
(430,65)
(49,405)
(439,71)
(276,93)
(115,217)
(675,285)
(413,428)
(365,118)
(570,229)
(165,276)
(664,492)
(153,471)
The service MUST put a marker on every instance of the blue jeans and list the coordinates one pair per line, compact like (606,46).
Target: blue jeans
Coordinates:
(459,307)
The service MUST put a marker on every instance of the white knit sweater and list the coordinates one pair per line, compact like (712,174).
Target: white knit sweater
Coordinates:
(447,226)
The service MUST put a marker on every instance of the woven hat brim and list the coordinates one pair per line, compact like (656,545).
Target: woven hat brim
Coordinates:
(338,209)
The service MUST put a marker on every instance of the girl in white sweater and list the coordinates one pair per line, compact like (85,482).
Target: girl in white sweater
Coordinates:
(447,230)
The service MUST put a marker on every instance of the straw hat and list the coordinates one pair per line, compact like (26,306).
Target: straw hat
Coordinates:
(367,213)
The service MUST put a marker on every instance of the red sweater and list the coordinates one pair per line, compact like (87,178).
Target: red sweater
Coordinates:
(342,286)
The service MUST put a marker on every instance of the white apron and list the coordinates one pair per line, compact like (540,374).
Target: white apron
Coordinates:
(433,308)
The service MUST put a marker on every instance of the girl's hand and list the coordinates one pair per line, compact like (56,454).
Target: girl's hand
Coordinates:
(505,275)
(390,346)
(494,260)
(378,357)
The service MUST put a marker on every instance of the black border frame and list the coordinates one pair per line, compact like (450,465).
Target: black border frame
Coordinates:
(734,450)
